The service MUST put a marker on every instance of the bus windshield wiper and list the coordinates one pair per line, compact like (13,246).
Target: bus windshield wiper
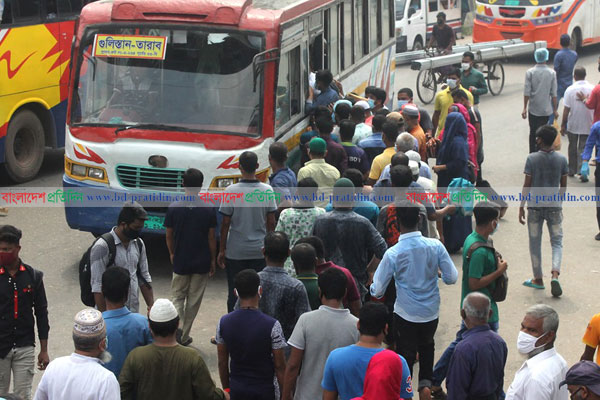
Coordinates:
(150,126)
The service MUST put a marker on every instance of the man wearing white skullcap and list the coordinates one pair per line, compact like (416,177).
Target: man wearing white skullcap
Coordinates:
(81,375)
(166,370)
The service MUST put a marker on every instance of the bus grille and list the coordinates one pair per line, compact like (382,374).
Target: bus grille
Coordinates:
(150,178)
(509,12)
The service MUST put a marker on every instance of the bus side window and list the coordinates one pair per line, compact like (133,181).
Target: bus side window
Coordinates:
(375,23)
(69,7)
(5,12)
(360,29)
(433,5)
(332,39)
(26,10)
(346,28)
(288,87)
(389,19)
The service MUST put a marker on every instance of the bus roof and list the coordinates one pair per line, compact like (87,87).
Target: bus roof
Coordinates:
(245,14)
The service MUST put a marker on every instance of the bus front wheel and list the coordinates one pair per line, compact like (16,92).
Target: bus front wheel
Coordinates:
(24,146)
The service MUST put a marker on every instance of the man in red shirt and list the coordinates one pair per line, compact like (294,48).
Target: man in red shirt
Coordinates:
(592,102)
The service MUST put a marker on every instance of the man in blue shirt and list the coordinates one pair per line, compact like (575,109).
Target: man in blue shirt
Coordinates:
(414,263)
(283,179)
(564,63)
(327,96)
(593,141)
(477,366)
(345,369)
(373,145)
(124,330)
(357,158)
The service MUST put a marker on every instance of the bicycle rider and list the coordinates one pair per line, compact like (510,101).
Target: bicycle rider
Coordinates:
(442,36)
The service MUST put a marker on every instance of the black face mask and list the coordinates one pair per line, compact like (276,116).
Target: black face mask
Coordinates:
(440,22)
(131,234)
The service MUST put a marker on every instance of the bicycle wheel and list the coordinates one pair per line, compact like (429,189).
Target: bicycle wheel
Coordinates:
(495,77)
(426,85)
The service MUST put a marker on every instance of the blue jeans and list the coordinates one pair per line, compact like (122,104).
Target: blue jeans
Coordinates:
(441,367)
(535,223)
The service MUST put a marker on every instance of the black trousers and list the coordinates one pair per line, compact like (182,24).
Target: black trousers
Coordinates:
(534,123)
(597,181)
(232,267)
(412,338)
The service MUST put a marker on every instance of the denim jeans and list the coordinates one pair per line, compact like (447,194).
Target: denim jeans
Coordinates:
(441,367)
(597,184)
(21,362)
(535,221)
(232,267)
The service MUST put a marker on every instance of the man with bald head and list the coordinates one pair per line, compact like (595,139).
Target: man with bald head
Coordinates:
(477,366)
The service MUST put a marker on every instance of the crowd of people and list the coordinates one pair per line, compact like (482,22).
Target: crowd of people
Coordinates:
(335,298)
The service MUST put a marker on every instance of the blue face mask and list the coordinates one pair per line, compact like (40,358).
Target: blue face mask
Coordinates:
(401,103)
(371,103)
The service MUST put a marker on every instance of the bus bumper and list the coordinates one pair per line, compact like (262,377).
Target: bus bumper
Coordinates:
(503,29)
(99,220)
(401,44)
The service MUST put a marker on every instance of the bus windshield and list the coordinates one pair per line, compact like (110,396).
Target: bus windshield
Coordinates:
(520,3)
(400,4)
(205,83)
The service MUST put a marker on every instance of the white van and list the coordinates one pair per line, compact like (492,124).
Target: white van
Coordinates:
(415,20)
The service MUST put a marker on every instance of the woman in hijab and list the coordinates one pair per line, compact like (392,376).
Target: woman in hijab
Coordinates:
(452,162)
(471,134)
(383,378)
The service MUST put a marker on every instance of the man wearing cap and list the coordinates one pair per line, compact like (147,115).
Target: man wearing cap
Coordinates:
(357,115)
(165,370)
(583,381)
(539,96)
(324,174)
(349,239)
(81,375)
(22,295)
(405,97)
(410,113)
(130,254)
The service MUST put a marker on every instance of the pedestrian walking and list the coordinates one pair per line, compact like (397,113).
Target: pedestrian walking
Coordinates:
(539,96)
(586,159)
(564,64)
(250,345)
(476,369)
(591,339)
(243,229)
(124,330)
(312,341)
(471,78)
(577,120)
(81,375)
(545,177)
(192,245)
(22,296)
(414,263)
(130,254)
(540,376)
(165,370)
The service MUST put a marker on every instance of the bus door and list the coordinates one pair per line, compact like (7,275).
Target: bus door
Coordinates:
(416,24)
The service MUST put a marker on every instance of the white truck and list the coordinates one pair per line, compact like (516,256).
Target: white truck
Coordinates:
(415,20)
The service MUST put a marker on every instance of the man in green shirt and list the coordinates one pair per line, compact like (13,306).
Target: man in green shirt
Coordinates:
(304,257)
(479,275)
(472,79)
(165,370)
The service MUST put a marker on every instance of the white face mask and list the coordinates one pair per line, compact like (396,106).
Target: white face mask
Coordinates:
(452,83)
(465,66)
(526,343)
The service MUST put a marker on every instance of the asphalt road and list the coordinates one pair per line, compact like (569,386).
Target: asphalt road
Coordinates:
(50,245)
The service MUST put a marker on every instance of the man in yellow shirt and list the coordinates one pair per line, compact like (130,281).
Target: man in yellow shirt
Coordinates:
(324,174)
(592,340)
(390,133)
(443,100)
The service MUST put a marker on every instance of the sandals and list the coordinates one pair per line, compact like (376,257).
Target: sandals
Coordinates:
(555,288)
(529,283)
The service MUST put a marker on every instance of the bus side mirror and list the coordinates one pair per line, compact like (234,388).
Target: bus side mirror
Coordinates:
(260,59)
(411,11)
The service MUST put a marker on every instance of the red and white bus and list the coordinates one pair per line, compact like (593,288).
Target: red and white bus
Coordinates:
(159,86)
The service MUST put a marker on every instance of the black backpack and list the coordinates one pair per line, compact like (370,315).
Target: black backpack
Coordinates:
(501,288)
(85,267)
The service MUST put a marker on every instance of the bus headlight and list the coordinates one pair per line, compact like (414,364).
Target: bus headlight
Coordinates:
(82,172)
(224,182)
(96,173)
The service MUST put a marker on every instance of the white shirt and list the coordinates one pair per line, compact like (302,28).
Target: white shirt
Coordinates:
(580,117)
(539,378)
(78,377)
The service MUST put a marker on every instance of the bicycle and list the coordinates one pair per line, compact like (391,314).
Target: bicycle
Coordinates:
(428,79)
